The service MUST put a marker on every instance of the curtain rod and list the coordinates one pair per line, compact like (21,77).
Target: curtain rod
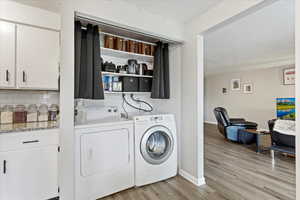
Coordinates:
(79,16)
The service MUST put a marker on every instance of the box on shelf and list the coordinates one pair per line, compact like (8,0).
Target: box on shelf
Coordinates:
(145,84)
(130,84)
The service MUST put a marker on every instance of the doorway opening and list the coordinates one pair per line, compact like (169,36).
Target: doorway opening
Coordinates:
(249,85)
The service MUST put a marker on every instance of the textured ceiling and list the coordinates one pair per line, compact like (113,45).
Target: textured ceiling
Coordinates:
(264,38)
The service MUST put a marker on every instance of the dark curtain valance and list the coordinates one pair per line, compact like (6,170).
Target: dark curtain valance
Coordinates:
(161,77)
(88,76)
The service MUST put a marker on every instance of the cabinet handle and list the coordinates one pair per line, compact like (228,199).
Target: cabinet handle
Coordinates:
(4,166)
(7,76)
(31,141)
(24,76)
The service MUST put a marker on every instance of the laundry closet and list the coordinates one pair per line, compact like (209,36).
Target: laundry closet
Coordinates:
(126,103)
(126,68)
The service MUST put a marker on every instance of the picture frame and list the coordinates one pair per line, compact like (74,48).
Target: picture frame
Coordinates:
(235,84)
(248,88)
(224,91)
(289,76)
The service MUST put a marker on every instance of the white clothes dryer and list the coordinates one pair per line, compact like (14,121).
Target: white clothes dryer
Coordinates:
(104,158)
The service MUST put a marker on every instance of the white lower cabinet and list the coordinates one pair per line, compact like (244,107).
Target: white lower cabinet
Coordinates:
(30,173)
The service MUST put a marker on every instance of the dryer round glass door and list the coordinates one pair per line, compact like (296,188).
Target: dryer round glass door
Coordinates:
(157,145)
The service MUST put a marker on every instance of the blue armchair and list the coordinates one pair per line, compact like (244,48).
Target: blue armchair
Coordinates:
(229,127)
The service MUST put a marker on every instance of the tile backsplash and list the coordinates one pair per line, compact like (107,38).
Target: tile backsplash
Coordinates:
(28,97)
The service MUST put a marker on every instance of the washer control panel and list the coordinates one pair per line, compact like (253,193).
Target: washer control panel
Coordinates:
(157,118)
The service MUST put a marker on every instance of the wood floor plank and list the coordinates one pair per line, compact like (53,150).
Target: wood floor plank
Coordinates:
(232,172)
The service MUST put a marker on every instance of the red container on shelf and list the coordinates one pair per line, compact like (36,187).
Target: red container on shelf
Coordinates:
(20,114)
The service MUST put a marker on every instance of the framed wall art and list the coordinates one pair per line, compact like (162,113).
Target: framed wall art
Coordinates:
(248,88)
(289,76)
(235,84)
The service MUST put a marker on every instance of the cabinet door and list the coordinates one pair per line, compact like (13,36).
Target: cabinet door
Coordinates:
(37,58)
(7,55)
(29,174)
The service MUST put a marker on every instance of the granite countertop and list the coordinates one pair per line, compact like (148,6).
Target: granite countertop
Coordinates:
(32,126)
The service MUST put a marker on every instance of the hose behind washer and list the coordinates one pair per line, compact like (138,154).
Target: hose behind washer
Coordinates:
(139,101)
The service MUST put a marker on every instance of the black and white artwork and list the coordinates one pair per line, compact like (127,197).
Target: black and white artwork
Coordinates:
(235,84)
(248,88)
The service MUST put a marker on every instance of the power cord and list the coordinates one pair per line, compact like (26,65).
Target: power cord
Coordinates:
(126,113)
(139,101)
(144,102)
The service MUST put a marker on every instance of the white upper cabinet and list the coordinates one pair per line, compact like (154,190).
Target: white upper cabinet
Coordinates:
(7,54)
(37,58)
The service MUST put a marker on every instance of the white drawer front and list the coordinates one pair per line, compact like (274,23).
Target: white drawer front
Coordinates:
(21,140)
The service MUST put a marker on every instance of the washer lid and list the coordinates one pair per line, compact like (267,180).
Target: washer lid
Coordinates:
(157,145)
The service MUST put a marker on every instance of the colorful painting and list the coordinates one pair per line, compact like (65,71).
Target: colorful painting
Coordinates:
(286,108)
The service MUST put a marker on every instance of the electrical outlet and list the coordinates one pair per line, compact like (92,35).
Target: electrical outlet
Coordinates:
(112,109)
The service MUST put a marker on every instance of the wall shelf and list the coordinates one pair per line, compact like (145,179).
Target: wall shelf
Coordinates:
(130,75)
(127,55)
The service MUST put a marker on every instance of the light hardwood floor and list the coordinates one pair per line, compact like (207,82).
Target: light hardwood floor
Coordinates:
(232,172)
(237,172)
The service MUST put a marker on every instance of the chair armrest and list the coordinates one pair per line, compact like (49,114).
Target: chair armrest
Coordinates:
(244,124)
(237,120)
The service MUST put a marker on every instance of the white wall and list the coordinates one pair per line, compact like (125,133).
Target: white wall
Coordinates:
(28,97)
(297,55)
(117,12)
(20,13)
(193,84)
(132,16)
(260,106)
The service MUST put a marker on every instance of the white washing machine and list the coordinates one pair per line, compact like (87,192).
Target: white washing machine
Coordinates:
(104,158)
(155,148)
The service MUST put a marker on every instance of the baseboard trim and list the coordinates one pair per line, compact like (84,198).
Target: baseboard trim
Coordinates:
(191,178)
(211,122)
